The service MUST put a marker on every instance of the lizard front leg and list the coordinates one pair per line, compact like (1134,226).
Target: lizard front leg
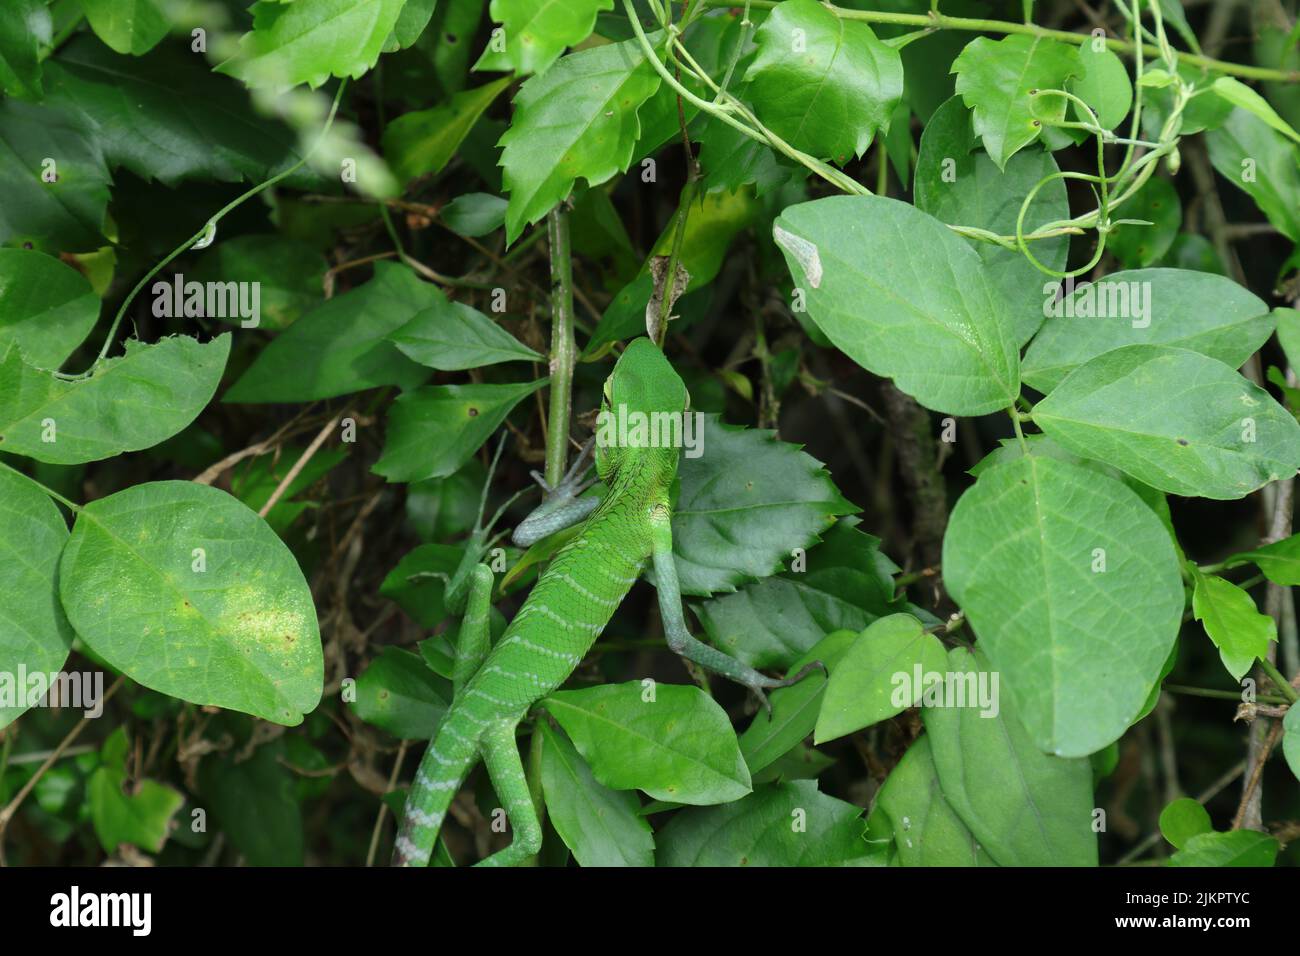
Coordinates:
(506,769)
(680,639)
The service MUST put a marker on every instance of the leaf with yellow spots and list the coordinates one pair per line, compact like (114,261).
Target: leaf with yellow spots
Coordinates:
(186,591)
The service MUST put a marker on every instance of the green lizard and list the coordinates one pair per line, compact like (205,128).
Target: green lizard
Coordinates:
(566,611)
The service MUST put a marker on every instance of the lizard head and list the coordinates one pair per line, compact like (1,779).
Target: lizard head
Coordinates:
(642,386)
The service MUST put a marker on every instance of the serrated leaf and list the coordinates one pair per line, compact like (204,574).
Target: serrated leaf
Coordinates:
(1262,163)
(433,431)
(965,188)
(823,83)
(1183,819)
(25,31)
(139,814)
(770,736)
(1084,646)
(847,583)
(1025,807)
(1234,848)
(679,746)
(937,325)
(1199,311)
(342,345)
(995,77)
(578,120)
(127,26)
(308,41)
(865,689)
(289,274)
(536,32)
(67,214)
(35,634)
(47,308)
(1175,419)
(763,830)
(927,832)
(1280,561)
(166,116)
(398,693)
(601,826)
(188,592)
(452,336)
(423,142)
(744,503)
(1232,621)
(130,402)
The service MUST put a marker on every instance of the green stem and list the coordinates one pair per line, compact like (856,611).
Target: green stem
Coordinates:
(1283,685)
(72,505)
(1220,694)
(210,227)
(940,21)
(564,350)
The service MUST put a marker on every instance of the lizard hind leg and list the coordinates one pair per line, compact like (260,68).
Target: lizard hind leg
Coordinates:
(506,769)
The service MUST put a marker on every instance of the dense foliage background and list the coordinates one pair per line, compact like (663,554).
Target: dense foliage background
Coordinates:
(256,497)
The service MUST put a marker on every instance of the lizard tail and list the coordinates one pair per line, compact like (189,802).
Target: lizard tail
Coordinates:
(443,769)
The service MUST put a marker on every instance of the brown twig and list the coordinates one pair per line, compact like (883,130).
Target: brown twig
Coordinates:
(299,465)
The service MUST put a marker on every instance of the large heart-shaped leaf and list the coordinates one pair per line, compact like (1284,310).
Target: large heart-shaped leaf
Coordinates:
(188,592)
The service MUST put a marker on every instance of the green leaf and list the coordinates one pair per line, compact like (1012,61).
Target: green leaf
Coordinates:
(1157,203)
(255,804)
(535,32)
(1184,819)
(167,116)
(1260,161)
(411,22)
(927,832)
(130,402)
(35,634)
(1232,621)
(601,826)
(63,215)
(1235,848)
(1094,581)
(433,431)
(937,325)
(47,308)
(1280,561)
(673,742)
(398,693)
(794,709)
(1291,739)
(308,41)
(127,26)
(25,31)
(451,336)
(847,583)
(189,593)
(1288,333)
(474,214)
(289,273)
(823,83)
(128,810)
(342,345)
(995,77)
(788,824)
(579,119)
(744,503)
(423,142)
(1175,419)
(1103,84)
(1239,94)
(1206,313)
(958,186)
(1025,807)
(255,482)
(414,586)
(865,688)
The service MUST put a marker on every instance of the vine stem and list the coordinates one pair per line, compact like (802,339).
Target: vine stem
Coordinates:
(941,21)
(1283,685)
(210,227)
(564,348)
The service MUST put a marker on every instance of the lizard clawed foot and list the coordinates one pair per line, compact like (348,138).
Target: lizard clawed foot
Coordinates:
(772,683)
